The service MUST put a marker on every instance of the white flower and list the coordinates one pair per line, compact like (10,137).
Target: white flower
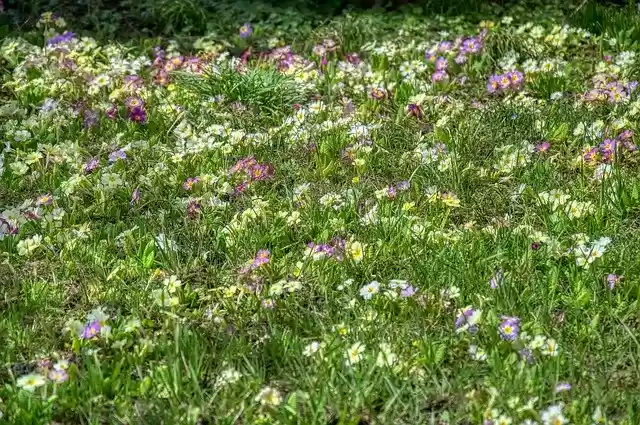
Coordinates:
(312,348)
(550,348)
(354,353)
(228,376)
(369,290)
(269,396)
(31,382)
(598,417)
(172,284)
(385,356)
(553,415)
(27,246)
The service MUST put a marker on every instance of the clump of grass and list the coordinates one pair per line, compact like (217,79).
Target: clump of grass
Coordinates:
(269,92)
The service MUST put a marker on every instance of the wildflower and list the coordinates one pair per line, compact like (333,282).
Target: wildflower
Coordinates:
(354,354)
(312,349)
(46,199)
(612,280)
(138,114)
(408,291)
(369,290)
(267,303)
(58,375)
(269,397)
(31,382)
(509,328)
(172,284)
(190,182)
(91,330)
(261,258)
(562,387)
(542,147)
(496,280)
(468,319)
(450,200)
(550,348)
(356,250)
(29,245)
(116,155)
(385,356)
(91,165)
(245,30)
(553,415)
(503,420)
(598,417)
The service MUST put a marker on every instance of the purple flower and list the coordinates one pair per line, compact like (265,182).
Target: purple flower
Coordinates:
(190,182)
(408,291)
(496,280)
(431,57)
(542,147)
(460,59)
(612,280)
(91,330)
(135,196)
(90,118)
(439,76)
(112,112)
(116,155)
(262,257)
(193,209)
(91,165)
(444,46)
(441,64)
(245,30)
(493,85)
(509,328)
(138,114)
(562,387)
(403,186)
(58,375)
(632,86)
(65,37)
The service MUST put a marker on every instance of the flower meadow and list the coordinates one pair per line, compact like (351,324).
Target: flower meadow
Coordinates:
(395,219)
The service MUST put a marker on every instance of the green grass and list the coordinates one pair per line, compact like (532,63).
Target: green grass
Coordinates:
(283,241)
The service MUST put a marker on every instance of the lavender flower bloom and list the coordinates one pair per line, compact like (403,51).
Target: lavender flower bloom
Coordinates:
(562,387)
(612,279)
(542,147)
(496,280)
(460,59)
(65,37)
(48,105)
(632,86)
(91,165)
(116,155)
(509,328)
(261,258)
(246,30)
(58,375)
(441,64)
(90,118)
(408,291)
(91,330)
(439,76)
(403,186)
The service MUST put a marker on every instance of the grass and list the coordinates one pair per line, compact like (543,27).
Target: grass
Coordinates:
(332,232)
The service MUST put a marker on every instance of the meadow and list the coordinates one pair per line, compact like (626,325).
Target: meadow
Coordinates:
(400,217)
